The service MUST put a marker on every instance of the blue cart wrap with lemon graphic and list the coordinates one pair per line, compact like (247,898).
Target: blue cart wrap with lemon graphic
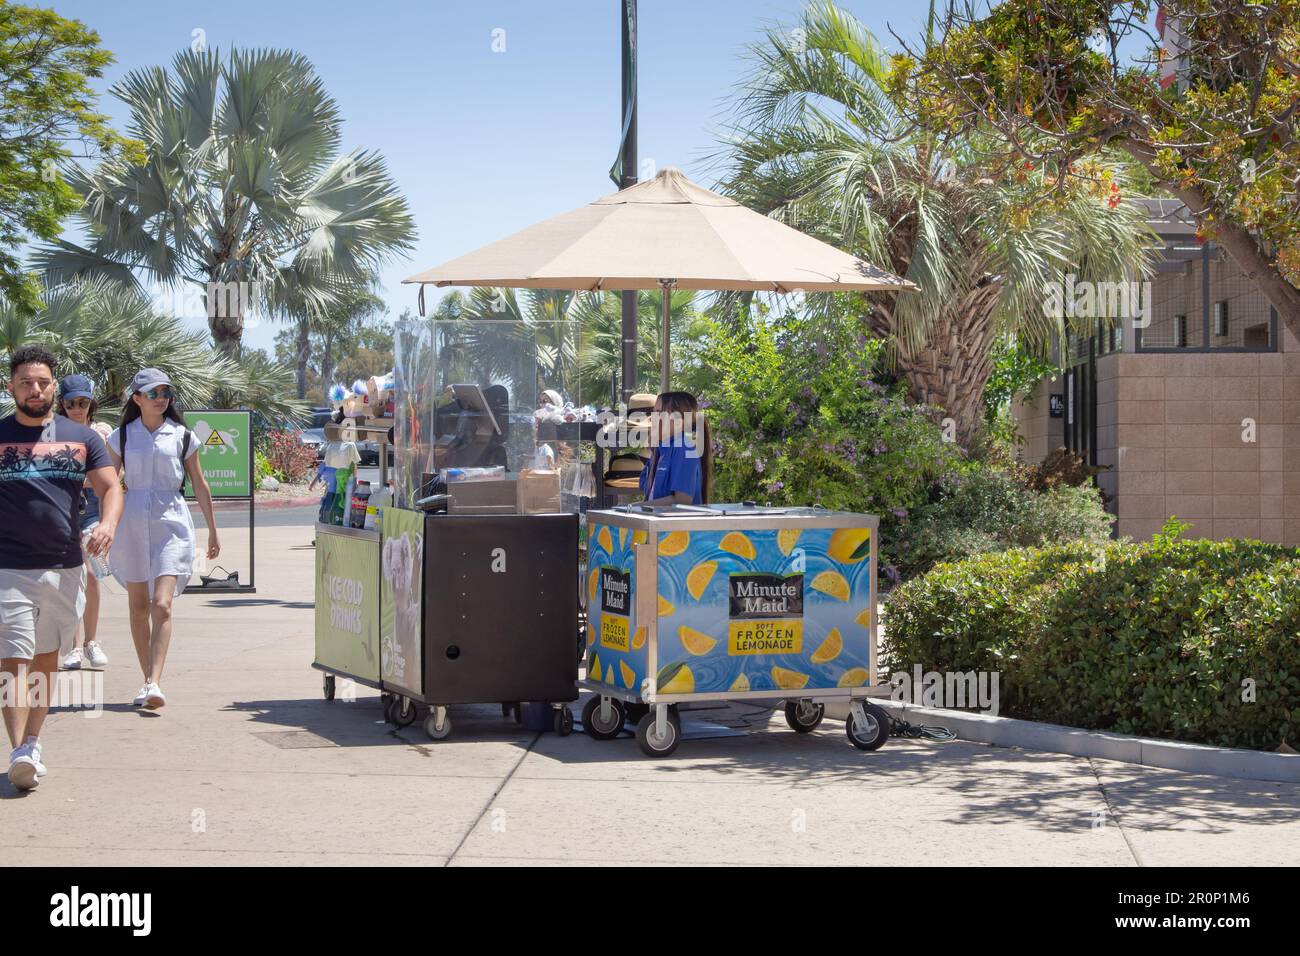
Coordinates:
(730,603)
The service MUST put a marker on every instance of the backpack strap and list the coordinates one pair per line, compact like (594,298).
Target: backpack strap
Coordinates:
(185,453)
(121,441)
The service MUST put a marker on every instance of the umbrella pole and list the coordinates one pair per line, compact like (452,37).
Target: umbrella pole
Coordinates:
(665,357)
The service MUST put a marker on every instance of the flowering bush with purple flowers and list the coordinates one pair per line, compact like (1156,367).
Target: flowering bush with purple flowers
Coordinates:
(799,419)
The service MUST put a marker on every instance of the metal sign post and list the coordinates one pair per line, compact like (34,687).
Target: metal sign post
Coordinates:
(225,438)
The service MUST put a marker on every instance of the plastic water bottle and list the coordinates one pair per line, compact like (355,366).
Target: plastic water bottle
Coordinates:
(98,563)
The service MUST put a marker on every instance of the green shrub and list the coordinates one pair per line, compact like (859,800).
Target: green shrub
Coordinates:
(986,510)
(800,419)
(1153,638)
(971,614)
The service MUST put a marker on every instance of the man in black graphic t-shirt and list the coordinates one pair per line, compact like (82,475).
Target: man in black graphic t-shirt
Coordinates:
(44,460)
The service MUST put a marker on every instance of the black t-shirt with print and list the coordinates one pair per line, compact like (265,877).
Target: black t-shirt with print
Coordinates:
(42,469)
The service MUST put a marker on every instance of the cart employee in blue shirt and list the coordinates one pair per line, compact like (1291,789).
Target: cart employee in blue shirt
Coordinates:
(681,465)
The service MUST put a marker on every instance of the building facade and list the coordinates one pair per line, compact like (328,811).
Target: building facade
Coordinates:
(1191,408)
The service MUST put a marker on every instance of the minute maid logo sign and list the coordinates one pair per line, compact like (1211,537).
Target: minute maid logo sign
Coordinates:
(766,614)
(615,589)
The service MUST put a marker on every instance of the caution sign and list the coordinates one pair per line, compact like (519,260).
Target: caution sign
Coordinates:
(225,441)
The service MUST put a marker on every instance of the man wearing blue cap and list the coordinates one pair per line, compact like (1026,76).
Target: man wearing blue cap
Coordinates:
(44,461)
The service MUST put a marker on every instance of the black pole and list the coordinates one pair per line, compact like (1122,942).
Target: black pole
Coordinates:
(627,14)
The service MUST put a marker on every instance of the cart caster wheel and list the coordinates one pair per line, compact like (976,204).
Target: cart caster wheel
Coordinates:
(438,730)
(874,734)
(803,716)
(403,711)
(388,702)
(603,730)
(564,721)
(634,712)
(328,685)
(653,745)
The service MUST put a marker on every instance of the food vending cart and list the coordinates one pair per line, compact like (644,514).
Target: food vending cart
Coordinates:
(730,602)
(466,590)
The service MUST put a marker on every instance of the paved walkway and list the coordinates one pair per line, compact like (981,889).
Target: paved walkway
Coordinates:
(248,764)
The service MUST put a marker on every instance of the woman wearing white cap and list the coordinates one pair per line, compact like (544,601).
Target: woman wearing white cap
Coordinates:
(153,553)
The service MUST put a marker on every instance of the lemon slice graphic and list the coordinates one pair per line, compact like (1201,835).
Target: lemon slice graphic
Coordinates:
(609,675)
(738,543)
(622,538)
(832,583)
(855,677)
(695,642)
(741,683)
(788,679)
(830,648)
(702,574)
(638,640)
(665,606)
(593,672)
(849,545)
(604,539)
(786,537)
(640,537)
(679,680)
(629,675)
(864,617)
(671,545)
(593,581)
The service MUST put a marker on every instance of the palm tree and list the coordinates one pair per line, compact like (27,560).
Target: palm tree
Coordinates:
(576,336)
(600,317)
(108,332)
(243,191)
(815,141)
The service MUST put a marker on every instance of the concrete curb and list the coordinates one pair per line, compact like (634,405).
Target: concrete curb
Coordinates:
(1076,742)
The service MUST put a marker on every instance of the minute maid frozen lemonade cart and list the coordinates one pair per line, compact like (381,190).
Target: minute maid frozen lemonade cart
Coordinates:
(730,602)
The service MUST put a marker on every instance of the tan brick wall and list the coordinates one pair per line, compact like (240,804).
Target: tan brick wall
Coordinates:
(1211,438)
(1041,434)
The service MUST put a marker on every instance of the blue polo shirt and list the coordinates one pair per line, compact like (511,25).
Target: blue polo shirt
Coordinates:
(676,468)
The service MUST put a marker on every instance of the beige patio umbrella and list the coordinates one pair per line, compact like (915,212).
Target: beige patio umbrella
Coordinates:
(669,233)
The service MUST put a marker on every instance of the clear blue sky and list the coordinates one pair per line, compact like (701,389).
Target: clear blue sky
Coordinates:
(485,143)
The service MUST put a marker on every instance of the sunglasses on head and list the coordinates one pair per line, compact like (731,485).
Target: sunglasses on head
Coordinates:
(162,391)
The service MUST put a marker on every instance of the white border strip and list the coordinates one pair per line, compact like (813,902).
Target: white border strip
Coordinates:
(1077,742)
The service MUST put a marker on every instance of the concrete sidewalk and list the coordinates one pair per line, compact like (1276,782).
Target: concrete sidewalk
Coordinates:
(248,764)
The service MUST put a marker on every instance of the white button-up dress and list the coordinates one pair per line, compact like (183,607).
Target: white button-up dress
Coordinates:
(156,533)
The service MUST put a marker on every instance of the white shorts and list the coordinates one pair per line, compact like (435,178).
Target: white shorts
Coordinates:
(39,610)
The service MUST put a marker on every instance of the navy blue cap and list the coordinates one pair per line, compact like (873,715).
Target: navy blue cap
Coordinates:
(76,386)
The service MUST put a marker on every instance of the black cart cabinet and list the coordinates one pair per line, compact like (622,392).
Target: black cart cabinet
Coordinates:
(500,608)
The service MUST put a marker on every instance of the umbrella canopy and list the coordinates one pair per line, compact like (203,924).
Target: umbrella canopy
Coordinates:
(663,233)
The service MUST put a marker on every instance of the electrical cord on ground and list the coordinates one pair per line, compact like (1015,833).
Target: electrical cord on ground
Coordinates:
(901,728)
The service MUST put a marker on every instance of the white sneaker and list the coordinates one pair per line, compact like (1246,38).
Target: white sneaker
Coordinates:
(139,698)
(95,654)
(35,746)
(74,660)
(23,768)
(154,698)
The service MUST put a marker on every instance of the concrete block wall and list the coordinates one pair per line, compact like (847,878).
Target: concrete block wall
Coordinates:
(1211,438)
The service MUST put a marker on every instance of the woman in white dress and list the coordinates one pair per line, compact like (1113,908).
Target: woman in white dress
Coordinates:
(153,553)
